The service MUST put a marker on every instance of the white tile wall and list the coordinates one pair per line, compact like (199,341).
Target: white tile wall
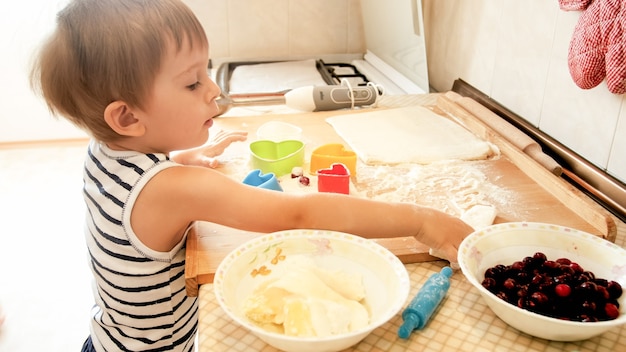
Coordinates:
(516,52)
(459,45)
(266,29)
(522,44)
(617,161)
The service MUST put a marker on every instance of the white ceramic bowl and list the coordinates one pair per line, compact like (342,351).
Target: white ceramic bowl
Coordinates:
(510,242)
(385,279)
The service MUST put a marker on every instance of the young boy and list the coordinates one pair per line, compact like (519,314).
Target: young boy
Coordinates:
(133,73)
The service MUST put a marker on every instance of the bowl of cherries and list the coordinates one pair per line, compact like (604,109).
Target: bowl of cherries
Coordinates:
(549,281)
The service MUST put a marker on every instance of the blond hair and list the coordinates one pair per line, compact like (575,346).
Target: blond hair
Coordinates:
(108,50)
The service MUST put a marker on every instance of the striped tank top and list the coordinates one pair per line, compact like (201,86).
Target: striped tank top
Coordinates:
(140,299)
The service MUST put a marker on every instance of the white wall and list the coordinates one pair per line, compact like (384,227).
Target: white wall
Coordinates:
(24,116)
(516,52)
(259,29)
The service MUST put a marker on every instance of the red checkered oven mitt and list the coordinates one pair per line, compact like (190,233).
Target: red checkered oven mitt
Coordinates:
(573,5)
(598,47)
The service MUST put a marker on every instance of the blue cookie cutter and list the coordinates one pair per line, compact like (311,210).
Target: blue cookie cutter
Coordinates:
(257,178)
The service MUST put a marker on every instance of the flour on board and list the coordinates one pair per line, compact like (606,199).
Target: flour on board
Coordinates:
(451,186)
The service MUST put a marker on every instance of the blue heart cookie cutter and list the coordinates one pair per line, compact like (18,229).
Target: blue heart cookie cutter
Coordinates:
(257,178)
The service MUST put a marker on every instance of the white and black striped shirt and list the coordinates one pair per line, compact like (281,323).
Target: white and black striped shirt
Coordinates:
(141,303)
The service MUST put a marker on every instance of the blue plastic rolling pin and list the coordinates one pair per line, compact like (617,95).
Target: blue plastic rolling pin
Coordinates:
(421,308)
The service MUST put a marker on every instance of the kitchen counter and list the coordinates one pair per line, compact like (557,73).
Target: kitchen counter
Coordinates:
(463,321)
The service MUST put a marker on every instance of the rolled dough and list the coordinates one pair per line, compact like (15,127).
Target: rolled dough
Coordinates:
(479,216)
(412,134)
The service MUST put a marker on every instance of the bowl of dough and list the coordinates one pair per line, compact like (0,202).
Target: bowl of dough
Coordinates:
(549,281)
(311,290)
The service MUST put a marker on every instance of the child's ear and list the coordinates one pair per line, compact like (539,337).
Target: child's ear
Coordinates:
(119,116)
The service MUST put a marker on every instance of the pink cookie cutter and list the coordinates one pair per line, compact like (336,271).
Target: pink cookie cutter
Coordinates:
(336,179)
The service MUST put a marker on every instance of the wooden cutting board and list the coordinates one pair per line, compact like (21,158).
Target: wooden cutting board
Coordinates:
(539,195)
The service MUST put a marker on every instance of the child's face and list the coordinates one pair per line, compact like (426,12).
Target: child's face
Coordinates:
(182,104)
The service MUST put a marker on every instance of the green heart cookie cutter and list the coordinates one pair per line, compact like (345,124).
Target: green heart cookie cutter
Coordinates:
(277,157)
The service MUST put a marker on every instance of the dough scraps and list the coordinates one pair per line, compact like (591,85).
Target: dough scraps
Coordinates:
(412,134)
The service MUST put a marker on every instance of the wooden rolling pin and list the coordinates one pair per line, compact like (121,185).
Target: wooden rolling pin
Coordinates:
(516,137)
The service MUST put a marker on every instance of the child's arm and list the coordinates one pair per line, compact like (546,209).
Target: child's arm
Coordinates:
(205,155)
(180,195)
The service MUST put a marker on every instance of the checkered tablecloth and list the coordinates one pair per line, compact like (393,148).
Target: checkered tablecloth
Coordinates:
(462,323)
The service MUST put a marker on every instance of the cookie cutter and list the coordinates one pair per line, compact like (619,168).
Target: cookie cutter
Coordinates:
(326,155)
(257,178)
(335,179)
(277,157)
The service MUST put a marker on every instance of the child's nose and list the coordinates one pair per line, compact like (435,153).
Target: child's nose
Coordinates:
(214,91)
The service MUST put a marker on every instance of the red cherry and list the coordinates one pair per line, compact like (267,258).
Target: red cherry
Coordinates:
(489,283)
(539,297)
(564,261)
(562,290)
(517,266)
(603,292)
(611,310)
(550,264)
(577,268)
(540,257)
(559,288)
(615,289)
(296,172)
(304,180)
(509,284)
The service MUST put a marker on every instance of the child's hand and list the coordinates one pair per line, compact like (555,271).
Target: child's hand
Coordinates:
(444,234)
(206,154)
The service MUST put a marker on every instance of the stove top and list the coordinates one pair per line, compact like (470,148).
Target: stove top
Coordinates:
(334,73)
(258,76)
